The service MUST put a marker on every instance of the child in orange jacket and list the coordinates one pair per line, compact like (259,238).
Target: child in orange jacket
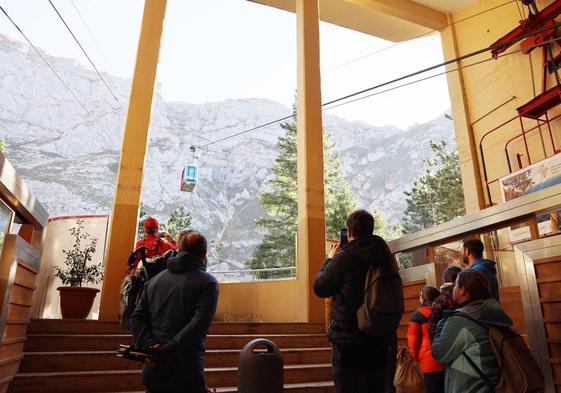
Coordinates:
(420,343)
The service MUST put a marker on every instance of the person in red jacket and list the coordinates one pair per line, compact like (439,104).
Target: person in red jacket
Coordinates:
(420,345)
(155,245)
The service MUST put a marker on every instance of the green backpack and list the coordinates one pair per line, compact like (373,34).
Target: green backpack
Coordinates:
(382,307)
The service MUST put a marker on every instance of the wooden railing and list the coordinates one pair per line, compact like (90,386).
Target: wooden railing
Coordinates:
(19,266)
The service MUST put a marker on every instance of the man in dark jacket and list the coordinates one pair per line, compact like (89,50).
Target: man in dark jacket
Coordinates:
(473,255)
(360,362)
(173,317)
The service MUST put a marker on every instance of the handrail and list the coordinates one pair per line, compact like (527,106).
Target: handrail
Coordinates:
(522,134)
(272,269)
(532,129)
(17,195)
(501,215)
(496,128)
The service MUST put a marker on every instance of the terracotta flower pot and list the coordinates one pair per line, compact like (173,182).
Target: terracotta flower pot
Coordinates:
(76,302)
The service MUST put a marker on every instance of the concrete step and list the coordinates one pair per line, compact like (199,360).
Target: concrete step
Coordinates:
(110,342)
(80,326)
(106,360)
(129,380)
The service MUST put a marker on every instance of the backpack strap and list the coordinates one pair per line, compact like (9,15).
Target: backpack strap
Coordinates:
(470,360)
(479,371)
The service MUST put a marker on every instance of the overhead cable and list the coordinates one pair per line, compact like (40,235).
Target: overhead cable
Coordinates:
(43,58)
(90,32)
(427,33)
(448,62)
(84,51)
(439,74)
(345,99)
(271,123)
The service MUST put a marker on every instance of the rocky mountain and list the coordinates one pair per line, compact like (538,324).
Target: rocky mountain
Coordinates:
(68,152)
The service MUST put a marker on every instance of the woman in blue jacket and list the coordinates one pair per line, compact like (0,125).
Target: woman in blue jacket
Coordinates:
(461,343)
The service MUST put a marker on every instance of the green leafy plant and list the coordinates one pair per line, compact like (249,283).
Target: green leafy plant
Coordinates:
(76,271)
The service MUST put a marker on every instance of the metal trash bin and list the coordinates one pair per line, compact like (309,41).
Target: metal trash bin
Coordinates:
(260,370)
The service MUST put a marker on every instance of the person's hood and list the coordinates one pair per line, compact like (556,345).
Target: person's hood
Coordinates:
(487,264)
(447,286)
(184,262)
(370,249)
(489,312)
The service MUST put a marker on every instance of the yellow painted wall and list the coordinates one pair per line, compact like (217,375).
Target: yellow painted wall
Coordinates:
(261,301)
(490,84)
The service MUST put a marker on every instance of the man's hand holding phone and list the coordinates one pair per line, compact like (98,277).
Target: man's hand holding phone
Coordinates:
(335,248)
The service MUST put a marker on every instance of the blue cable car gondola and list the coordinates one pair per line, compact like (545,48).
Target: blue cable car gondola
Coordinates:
(190,175)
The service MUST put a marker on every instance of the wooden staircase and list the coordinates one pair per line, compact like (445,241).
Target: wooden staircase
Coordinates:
(79,356)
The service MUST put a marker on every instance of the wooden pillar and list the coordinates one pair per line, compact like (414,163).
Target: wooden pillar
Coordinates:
(472,181)
(126,204)
(311,213)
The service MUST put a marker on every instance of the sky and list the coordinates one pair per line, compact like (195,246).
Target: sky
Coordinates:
(213,50)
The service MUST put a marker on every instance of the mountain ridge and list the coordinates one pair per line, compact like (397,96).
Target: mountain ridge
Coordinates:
(69,156)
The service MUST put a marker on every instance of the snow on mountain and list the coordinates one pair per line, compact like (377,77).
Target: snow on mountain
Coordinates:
(69,154)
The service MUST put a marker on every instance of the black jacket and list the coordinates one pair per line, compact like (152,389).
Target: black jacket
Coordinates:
(176,309)
(343,278)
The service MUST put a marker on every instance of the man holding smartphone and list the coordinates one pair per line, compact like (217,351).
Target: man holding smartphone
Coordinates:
(361,362)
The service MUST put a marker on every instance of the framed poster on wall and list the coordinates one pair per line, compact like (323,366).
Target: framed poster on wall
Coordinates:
(533,178)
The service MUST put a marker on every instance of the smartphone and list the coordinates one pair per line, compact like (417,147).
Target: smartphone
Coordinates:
(343,239)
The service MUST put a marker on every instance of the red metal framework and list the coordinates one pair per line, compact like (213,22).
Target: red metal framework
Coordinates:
(536,20)
(538,107)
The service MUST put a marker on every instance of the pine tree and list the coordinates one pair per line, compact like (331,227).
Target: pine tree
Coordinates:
(383,229)
(216,255)
(388,232)
(142,216)
(437,195)
(278,247)
(178,219)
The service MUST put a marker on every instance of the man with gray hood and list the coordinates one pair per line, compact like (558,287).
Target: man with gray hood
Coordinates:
(473,256)
(173,317)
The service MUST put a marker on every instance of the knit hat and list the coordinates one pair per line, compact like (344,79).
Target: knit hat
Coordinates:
(151,223)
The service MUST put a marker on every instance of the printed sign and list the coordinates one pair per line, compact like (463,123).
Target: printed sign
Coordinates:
(532,178)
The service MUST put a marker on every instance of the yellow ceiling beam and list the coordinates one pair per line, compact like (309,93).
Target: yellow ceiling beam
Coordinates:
(394,20)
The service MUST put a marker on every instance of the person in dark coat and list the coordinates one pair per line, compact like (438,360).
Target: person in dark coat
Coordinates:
(173,317)
(360,362)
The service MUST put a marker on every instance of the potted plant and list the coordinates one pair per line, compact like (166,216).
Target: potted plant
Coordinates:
(76,301)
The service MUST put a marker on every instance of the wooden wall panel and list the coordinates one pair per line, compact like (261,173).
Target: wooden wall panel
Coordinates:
(16,310)
(548,278)
(26,278)
(411,292)
(511,301)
